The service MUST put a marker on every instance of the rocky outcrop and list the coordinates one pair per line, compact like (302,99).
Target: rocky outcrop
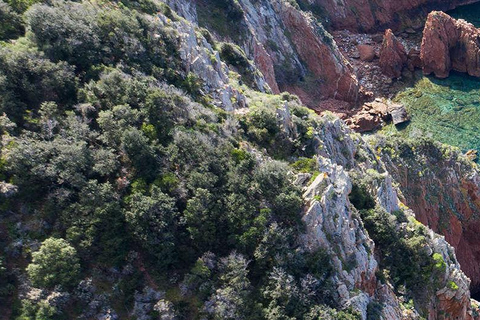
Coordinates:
(291,49)
(333,224)
(393,56)
(374,15)
(200,59)
(334,77)
(442,186)
(374,114)
(450,44)
(369,118)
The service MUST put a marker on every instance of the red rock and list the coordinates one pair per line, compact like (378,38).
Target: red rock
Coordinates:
(370,117)
(447,199)
(393,56)
(264,63)
(449,44)
(375,15)
(367,52)
(333,75)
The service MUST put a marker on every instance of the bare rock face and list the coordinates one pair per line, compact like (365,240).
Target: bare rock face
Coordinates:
(291,49)
(450,44)
(332,224)
(321,56)
(375,15)
(196,55)
(442,186)
(393,56)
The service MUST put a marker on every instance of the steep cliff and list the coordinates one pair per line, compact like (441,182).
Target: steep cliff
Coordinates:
(338,220)
(449,44)
(150,169)
(442,187)
(291,48)
(374,15)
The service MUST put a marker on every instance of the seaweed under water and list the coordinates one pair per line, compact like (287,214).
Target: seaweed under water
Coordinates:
(447,110)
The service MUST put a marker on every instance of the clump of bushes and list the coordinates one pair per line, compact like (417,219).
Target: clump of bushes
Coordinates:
(55,263)
(11,25)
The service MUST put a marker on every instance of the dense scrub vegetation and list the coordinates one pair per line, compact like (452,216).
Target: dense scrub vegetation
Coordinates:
(123,181)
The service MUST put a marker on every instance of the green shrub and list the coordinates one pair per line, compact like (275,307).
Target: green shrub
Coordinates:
(55,263)
(305,165)
(11,26)
(27,80)
(361,198)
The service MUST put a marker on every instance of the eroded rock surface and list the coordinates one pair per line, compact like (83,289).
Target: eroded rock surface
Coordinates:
(291,49)
(393,56)
(374,15)
(450,44)
(442,186)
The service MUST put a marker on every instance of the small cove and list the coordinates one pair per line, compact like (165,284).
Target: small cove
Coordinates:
(447,110)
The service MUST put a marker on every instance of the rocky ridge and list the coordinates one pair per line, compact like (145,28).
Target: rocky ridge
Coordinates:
(291,49)
(333,223)
(442,186)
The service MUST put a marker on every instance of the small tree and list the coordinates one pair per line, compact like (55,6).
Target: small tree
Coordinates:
(55,263)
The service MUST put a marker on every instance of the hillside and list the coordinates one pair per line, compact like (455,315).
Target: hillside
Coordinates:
(159,160)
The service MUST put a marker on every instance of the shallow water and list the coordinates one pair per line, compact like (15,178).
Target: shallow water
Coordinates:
(471,13)
(447,110)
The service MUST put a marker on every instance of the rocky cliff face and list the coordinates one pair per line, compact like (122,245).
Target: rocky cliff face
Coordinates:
(334,224)
(442,187)
(291,48)
(449,44)
(373,15)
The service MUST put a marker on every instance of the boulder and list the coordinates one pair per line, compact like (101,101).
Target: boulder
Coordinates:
(366,52)
(398,112)
(365,121)
(393,56)
(370,117)
(449,44)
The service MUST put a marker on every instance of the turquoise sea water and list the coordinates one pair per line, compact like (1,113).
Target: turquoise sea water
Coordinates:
(471,13)
(447,110)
